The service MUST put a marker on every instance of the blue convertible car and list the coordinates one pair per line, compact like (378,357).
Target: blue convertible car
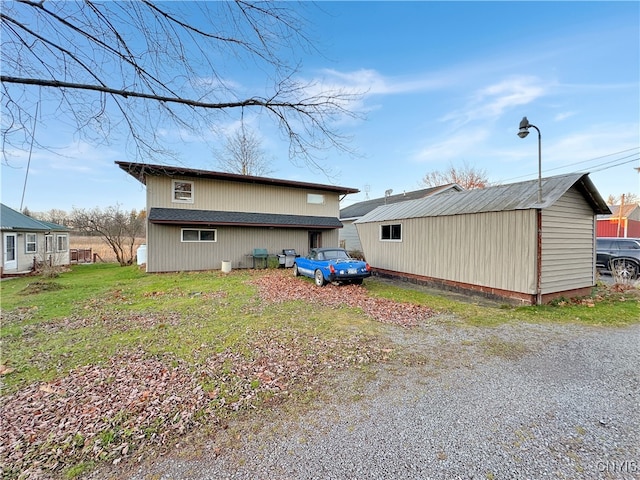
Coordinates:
(331,265)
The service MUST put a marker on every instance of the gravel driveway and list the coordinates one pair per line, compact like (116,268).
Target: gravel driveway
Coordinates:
(516,401)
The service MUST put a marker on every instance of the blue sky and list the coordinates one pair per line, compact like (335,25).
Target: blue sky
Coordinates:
(446,83)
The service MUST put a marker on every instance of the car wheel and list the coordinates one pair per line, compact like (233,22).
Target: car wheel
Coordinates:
(319,278)
(296,273)
(624,269)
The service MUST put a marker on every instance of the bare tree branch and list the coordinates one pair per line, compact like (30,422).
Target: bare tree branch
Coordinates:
(136,68)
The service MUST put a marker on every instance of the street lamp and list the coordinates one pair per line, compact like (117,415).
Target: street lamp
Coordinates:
(523,132)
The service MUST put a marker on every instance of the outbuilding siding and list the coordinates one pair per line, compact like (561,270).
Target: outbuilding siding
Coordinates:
(494,249)
(568,233)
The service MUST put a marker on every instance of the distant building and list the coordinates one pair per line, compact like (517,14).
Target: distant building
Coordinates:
(622,222)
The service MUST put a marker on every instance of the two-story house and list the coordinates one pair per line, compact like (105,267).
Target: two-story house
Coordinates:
(197,219)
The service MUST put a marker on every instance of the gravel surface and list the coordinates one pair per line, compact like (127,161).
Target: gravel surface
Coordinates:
(515,401)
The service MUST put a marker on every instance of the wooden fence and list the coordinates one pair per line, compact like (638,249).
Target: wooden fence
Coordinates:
(80,255)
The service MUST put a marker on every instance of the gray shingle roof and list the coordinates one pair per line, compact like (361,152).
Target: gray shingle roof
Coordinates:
(181,216)
(14,220)
(360,209)
(514,196)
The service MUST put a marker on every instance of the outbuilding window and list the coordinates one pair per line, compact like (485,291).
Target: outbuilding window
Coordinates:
(392,232)
(196,235)
(182,191)
(31,243)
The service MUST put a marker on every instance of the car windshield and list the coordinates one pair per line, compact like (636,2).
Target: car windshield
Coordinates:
(335,254)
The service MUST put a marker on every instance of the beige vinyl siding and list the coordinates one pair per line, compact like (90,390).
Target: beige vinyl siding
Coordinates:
(233,244)
(568,229)
(349,234)
(495,249)
(210,194)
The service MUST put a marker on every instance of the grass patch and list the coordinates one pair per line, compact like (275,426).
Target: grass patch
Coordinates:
(235,351)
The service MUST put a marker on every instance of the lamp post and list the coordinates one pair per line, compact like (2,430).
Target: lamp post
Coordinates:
(523,132)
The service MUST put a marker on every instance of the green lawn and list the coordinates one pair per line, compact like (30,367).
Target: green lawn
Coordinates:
(217,332)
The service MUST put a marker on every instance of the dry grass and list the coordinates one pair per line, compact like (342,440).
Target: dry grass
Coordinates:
(99,246)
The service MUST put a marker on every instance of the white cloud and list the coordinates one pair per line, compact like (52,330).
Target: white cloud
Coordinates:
(454,147)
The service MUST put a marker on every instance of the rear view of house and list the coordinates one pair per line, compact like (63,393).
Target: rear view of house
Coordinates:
(198,219)
(498,241)
(27,241)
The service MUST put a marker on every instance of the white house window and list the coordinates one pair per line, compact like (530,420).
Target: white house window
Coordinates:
(61,241)
(315,198)
(391,232)
(48,243)
(31,243)
(182,191)
(194,235)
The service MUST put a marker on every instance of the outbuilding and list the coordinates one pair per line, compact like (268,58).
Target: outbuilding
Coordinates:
(498,241)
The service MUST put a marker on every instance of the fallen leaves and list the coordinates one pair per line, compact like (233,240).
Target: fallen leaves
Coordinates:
(280,286)
(106,412)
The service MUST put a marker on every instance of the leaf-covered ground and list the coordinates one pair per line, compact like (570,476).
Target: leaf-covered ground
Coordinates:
(112,410)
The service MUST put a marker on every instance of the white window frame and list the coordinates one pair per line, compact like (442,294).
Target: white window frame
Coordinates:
(391,226)
(30,246)
(48,243)
(200,231)
(66,243)
(315,198)
(174,191)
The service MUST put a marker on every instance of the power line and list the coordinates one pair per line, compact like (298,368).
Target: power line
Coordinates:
(591,160)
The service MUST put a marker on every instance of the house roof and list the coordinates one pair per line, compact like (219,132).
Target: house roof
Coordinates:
(140,170)
(360,209)
(11,219)
(186,217)
(627,211)
(514,196)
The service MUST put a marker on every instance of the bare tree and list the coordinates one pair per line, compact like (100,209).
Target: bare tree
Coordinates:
(466,176)
(117,228)
(626,198)
(55,215)
(141,68)
(243,154)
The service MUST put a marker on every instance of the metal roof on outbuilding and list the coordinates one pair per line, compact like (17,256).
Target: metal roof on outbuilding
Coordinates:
(360,209)
(514,196)
(179,216)
(11,219)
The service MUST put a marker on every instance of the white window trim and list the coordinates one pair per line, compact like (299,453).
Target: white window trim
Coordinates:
(66,243)
(173,192)
(27,243)
(391,239)
(215,235)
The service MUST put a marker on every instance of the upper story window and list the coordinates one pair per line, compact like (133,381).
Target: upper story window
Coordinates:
(182,191)
(31,243)
(391,232)
(315,198)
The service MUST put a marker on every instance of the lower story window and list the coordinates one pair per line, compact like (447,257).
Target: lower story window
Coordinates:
(391,232)
(61,241)
(48,243)
(196,235)
(31,239)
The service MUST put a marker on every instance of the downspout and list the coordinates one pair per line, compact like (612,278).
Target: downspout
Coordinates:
(539,257)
